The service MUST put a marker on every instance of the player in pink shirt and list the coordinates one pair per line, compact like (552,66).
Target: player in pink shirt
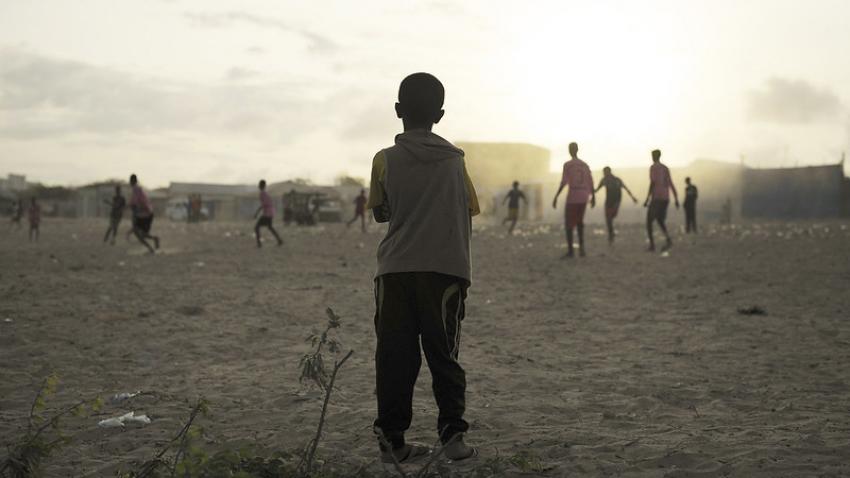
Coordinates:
(359,210)
(658,199)
(267,208)
(578,177)
(34,216)
(142,210)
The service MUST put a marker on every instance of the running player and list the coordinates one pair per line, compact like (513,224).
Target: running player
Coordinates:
(267,208)
(578,177)
(658,199)
(513,197)
(613,195)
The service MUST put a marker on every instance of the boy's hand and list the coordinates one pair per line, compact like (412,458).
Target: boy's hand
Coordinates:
(593,202)
(555,203)
(677,204)
(646,203)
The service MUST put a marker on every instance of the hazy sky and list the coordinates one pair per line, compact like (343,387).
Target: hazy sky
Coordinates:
(229,91)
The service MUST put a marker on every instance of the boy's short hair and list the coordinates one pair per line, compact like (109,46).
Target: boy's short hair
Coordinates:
(262,183)
(516,183)
(606,169)
(421,96)
(133,179)
(656,153)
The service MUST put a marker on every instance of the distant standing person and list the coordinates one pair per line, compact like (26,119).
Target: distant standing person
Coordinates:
(359,210)
(18,213)
(267,208)
(34,216)
(690,207)
(658,199)
(580,181)
(116,213)
(613,195)
(513,197)
(142,210)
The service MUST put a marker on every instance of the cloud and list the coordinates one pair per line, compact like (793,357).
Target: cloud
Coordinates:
(785,101)
(44,97)
(238,73)
(317,43)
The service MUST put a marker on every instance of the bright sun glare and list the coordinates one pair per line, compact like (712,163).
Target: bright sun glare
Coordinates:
(601,80)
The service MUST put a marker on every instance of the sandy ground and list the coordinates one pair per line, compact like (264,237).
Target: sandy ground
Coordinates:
(624,363)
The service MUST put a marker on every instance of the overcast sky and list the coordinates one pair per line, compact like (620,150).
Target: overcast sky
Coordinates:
(230,91)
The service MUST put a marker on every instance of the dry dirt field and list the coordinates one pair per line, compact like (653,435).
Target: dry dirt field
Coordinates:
(623,363)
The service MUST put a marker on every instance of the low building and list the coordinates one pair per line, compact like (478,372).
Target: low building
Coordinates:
(814,192)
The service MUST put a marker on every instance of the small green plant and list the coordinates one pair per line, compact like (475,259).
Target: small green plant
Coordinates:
(313,369)
(189,458)
(528,462)
(43,435)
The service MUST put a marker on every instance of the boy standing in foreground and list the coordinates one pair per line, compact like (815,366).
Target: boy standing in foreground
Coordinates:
(658,199)
(578,177)
(421,187)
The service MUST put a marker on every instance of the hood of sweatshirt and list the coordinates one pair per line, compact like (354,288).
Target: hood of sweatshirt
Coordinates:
(427,146)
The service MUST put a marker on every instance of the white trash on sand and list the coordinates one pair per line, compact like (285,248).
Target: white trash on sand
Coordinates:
(120,397)
(130,417)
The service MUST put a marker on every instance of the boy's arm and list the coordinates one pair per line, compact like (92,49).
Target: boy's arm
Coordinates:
(649,193)
(472,196)
(560,188)
(628,191)
(673,188)
(377,194)
(592,191)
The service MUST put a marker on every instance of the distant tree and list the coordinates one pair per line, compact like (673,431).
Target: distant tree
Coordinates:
(302,181)
(346,180)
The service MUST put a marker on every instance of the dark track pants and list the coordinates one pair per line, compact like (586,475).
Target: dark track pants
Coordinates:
(411,306)
(690,217)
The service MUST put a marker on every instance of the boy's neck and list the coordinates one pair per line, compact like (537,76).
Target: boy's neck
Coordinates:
(408,126)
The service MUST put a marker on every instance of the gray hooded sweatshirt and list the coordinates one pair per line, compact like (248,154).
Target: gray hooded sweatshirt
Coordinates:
(429,208)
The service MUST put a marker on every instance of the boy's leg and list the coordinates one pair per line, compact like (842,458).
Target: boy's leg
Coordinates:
(257,233)
(439,301)
(580,230)
(363,222)
(569,240)
(275,234)
(649,218)
(397,355)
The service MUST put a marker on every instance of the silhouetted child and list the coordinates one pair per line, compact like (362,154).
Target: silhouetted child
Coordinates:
(142,210)
(116,212)
(512,198)
(658,199)
(34,216)
(613,196)
(18,213)
(267,208)
(359,210)
(577,176)
(690,204)
(421,187)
